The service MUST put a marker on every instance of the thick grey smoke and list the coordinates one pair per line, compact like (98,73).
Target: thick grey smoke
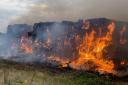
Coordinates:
(10,45)
(31,11)
(76,9)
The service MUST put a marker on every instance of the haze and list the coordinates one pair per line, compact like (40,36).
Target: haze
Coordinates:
(31,11)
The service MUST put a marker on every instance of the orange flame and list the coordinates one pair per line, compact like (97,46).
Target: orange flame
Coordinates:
(25,46)
(49,41)
(62,61)
(122,39)
(91,50)
(122,62)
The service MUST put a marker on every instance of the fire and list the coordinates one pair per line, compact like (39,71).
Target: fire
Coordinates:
(122,62)
(62,61)
(86,52)
(49,41)
(91,50)
(122,39)
(25,45)
(91,53)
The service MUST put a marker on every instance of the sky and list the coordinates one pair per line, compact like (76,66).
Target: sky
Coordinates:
(33,11)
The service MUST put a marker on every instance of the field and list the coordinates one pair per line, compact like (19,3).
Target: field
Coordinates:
(17,74)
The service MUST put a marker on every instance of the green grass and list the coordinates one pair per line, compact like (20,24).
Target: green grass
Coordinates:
(20,75)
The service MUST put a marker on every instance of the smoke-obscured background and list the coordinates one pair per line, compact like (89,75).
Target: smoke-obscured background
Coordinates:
(30,11)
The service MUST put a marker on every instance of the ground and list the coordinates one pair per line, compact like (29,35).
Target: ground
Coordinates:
(14,74)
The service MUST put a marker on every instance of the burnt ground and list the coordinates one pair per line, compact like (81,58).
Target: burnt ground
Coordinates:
(12,73)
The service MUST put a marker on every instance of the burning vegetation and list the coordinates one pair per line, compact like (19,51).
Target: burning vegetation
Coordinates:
(92,47)
(91,52)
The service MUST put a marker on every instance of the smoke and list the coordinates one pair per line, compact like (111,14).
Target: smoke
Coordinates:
(18,45)
(51,39)
(57,30)
(31,11)
(73,10)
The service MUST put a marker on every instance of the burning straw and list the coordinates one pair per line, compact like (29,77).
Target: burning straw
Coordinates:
(95,50)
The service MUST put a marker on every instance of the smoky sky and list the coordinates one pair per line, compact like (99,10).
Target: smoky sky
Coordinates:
(32,11)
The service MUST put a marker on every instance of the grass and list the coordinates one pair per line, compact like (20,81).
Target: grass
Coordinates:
(13,74)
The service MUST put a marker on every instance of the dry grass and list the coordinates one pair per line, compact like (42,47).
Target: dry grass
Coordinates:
(19,75)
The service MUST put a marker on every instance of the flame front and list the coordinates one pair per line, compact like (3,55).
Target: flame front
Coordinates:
(90,52)
(86,52)
(62,61)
